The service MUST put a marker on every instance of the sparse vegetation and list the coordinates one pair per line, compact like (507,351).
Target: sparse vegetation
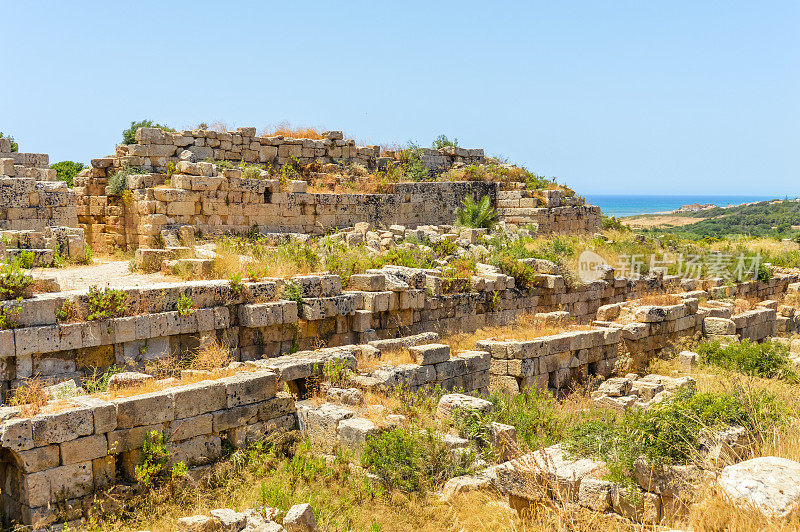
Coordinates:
(14,145)
(14,283)
(105,303)
(768,359)
(118,182)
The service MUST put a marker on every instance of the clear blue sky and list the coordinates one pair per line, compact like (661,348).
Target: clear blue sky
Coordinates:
(618,97)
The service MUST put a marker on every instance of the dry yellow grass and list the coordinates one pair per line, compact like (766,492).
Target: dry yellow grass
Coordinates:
(527,327)
(285,129)
(30,396)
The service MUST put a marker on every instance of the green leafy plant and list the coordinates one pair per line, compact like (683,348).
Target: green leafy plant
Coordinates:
(768,360)
(68,311)
(185,305)
(14,283)
(412,459)
(118,182)
(671,431)
(67,170)
(414,169)
(524,275)
(237,287)
(155,459)
(476,214)
(8,316)
(129,135)
(442,142)
(106,303)
(292,292)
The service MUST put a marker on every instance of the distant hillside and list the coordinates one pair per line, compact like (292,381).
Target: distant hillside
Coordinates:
(760,219)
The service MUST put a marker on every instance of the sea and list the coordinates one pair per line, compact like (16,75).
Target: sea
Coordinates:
(620,205)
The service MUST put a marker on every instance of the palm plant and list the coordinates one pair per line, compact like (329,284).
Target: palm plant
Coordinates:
(476,214)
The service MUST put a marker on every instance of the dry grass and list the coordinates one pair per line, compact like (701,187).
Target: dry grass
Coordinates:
(285,129)
(229,263)
(527,327)
(392,358)
(31,396)
(211,357)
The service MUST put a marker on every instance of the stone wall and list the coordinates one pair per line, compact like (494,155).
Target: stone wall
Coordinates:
(256,323)
(551,210)
(155,149)
(54,463)
(37,213)
(552,361)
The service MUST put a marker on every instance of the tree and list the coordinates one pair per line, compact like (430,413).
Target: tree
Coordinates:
(67,170)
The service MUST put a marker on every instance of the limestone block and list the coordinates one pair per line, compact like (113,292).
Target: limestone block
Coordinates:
(250,387)
(62,426)
(300,518)
(145,409)
(430,353)
(322,425)
(199,398)
(234,417)
(194,451)
(39,458)
(353,434)
(83,449)
(451,404)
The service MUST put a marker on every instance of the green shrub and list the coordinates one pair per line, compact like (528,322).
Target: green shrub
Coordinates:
(669,432)
(768,360)
(129,135)
(411,162)
(612,222)
(764,273)
(106,303)
(476,214)
(14,283)
(412,459)
(534,413)
(14,145)
(524,275)
(118,182)
(292,292)
(67,170)
(8,316)
(155,460)
(185,305)
(442,142)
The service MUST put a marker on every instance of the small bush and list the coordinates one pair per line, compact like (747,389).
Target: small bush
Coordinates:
(292,292)
(118,182)
(612,222)
(8,316)
(768,360)
(106,303)
(669,432)
(155,460)
(411,162)
(14,145)
(129,135)
(476,214)
(411,459)
(237,287)
(14,283)
(185,305)
(211,357)
(442,142)
(524,275)
(67,170)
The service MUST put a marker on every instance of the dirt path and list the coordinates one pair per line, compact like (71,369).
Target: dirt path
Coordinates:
(103,272)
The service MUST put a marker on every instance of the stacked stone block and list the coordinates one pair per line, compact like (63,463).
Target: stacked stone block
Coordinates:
(37,213)
(552,361)
(648,329)
(55,462)
(550,210)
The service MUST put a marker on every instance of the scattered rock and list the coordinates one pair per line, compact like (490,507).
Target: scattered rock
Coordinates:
(127,379)
(768,483)
(458,402)
(300,518)
(463,484)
